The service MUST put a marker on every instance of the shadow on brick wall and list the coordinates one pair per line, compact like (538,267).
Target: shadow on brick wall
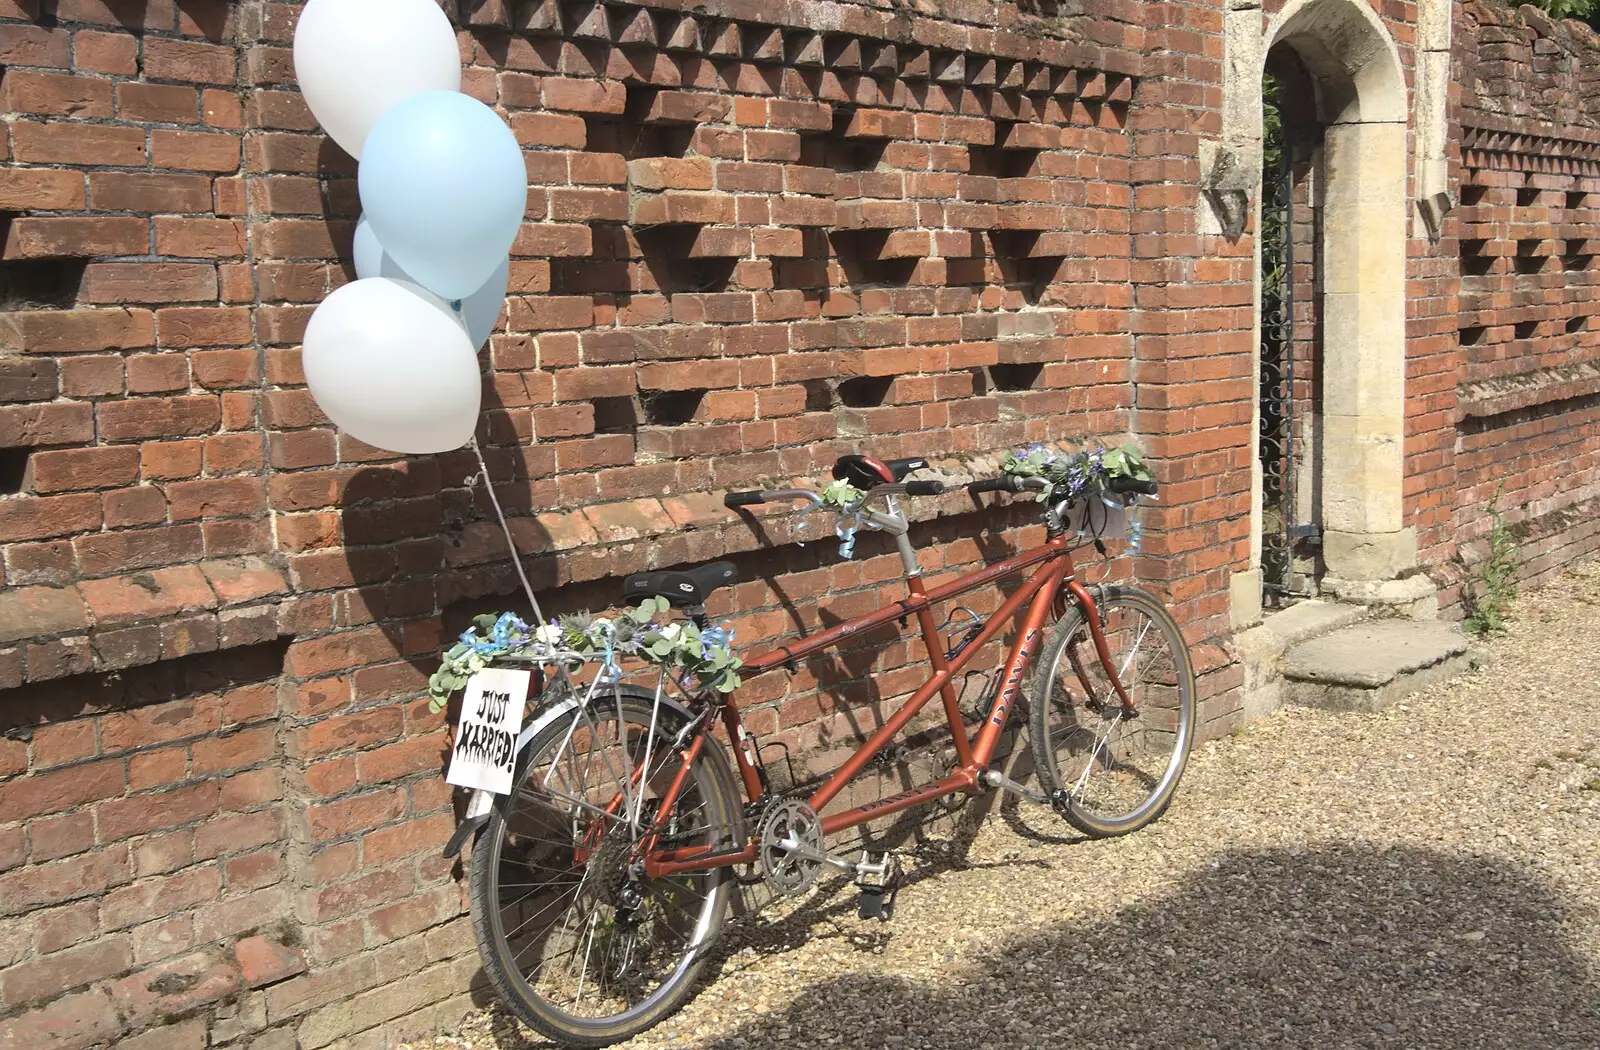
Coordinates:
(212,19)
(63,699)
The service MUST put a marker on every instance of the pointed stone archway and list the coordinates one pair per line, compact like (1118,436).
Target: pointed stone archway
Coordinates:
(1361,101)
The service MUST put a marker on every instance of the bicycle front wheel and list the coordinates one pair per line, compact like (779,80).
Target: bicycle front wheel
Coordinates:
(1110,773)
(576,941)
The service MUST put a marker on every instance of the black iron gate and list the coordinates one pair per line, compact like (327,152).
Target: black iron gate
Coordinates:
(1280,529)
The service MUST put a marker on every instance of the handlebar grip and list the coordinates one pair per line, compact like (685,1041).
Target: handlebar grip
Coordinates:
(743,499)
(1004,483)
(1143,488)
(924,488)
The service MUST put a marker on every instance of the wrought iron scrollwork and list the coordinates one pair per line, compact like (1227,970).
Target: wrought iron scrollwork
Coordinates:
(1277,374)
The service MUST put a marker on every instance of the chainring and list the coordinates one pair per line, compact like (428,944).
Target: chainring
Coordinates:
(784,820)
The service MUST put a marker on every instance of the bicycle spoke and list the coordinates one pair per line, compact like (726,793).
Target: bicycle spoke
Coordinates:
(577,951)
(1116,767)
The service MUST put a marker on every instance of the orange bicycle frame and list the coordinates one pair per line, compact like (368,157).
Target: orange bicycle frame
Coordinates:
(1032,605)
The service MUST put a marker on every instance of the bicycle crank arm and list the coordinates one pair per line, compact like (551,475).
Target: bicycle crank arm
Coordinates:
(805,852)
(996,779)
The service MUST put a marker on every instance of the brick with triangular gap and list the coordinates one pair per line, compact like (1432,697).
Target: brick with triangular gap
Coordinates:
(980,71)
(684,36)
(487,13)
(721,40)
(633,29)
(900,244)
(1009,75)
(542,17)
(721,242)
(1090,88)
(589,22)
(950,67)
(1036,77)
(1030,136)
(1052,245)
(763,43)
(805,49)
(916,64)
(880,124)
(1121,90)
(842,52)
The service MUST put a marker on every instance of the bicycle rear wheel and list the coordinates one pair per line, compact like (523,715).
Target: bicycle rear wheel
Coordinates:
(1114,774)
(573,938)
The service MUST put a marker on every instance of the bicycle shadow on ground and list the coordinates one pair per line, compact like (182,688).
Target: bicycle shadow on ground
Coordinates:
(1334,947)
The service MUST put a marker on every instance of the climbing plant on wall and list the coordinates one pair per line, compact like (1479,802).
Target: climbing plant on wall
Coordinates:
(1586,10)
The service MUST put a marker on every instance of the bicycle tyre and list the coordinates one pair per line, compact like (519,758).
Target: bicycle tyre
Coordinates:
(1060,717)
(711,779)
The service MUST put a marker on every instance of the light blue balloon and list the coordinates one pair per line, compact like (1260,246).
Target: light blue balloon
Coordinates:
(444,187)
(368,253)
(479,311)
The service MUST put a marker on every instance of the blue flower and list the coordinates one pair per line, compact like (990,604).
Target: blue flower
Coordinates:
(508,631)
(714,638)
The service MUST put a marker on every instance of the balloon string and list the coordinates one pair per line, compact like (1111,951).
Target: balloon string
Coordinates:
(516,556)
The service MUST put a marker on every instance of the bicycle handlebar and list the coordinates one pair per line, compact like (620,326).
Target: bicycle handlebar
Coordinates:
(734,500)
(1006,483)
(1003,483)
(1011,483)
(1143,488)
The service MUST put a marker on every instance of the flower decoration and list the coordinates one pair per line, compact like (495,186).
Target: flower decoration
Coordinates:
(845,500)
(705,655)
(1085,473)
(1082,472)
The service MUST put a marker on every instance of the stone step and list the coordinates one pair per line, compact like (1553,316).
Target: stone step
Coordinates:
(1261,648)
(1308,619)
(1371,665)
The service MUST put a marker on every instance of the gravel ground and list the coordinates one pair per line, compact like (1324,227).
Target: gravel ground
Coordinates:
(1424,877)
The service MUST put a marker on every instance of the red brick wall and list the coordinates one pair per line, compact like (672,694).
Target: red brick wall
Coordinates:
(750,247)
(912,236)
(1525,410)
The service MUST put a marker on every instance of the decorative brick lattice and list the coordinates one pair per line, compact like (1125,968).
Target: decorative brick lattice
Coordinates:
(759,236)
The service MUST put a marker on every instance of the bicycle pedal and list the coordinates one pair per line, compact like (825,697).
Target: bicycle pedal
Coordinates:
(878,882)
(1060,801)
(876,904)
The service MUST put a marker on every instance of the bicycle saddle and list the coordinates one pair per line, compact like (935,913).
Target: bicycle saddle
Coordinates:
(864,471)
(682,590)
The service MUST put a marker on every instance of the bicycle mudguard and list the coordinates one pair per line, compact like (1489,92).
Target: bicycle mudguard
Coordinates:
(481,805)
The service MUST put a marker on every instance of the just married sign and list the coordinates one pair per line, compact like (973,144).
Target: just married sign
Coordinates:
(491,717)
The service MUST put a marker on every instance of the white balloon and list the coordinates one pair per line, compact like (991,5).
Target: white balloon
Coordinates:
(369,255)
(390,363)
(356,58)
(479,311)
